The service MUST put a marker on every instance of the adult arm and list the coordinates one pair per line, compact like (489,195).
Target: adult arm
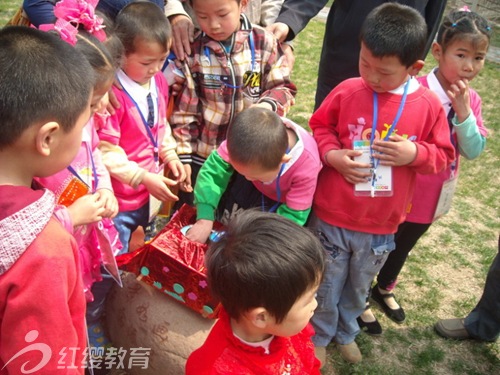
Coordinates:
(296,14)
(40,12)
(182,28)
(433,14)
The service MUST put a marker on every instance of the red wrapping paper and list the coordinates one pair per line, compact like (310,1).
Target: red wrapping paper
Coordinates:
(174,265)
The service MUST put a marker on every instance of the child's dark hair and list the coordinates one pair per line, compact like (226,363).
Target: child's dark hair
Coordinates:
(42,79)
(393,29)
(459,24)
(98,56)
(263,260)
(112,43)
(141,21)
(257,136)
(191,2)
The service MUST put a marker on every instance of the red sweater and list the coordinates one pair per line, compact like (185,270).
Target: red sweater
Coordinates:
(42,305)
(223,353)
(345,116)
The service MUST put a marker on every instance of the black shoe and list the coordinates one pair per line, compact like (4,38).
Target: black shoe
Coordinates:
(370,328)
(397,315)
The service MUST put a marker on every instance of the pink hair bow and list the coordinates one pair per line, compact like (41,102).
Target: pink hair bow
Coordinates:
(465,8)
(66,30)
(74,13)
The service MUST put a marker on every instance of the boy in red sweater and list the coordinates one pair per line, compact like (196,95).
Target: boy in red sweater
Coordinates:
(265,269)
(374,134)
(45,89)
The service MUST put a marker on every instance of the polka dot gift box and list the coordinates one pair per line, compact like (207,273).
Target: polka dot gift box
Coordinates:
(174,265)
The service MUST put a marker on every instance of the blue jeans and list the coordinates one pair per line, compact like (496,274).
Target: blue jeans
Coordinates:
(353,260)
(127,222)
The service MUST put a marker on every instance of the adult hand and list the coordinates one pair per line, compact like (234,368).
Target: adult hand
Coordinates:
(280,30)
(183,32)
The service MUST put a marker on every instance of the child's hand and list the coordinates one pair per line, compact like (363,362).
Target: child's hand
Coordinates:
(157,186)
(109,201)
(459,96)
(177,170)
(200,231)
(342,161)
(87,209)
(394,152)
(186,184)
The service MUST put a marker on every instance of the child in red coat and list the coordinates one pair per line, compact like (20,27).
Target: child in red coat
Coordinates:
(265,270)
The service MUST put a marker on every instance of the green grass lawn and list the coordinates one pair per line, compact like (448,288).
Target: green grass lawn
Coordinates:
(445,274)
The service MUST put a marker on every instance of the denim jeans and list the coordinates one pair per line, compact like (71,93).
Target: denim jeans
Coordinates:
(127,222)
(353,260)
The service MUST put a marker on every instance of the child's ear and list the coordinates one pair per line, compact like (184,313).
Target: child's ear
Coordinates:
(243,4)
(259,317)
(436,50)
(416,67)
(45,137)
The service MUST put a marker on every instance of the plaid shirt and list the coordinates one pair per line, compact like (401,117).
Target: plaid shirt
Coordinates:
(219,85)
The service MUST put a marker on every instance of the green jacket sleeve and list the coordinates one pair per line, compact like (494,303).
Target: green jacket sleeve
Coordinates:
(299,217)
(470,142)
(211,183)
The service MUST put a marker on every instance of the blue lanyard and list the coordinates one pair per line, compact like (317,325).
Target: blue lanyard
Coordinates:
(152,138)
(391,129)
(94,171)
(278,189)
(252,52)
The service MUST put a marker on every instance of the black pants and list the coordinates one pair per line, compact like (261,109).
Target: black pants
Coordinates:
(406,237)
(483,322)
(241,194)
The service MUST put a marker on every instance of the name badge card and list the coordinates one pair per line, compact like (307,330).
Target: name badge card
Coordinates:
(445,197)
(379,184)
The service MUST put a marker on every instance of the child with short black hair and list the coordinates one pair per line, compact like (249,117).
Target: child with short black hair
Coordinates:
(374,134)
(86,196)
(137,139)
(233,65)
(277,164)
(265,270)
(460,49)
(43,110)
